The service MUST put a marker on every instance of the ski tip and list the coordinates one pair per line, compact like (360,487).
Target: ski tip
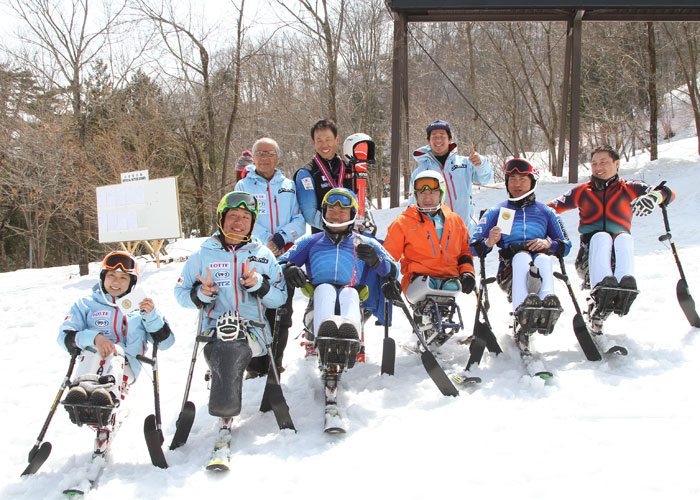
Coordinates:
(218,467)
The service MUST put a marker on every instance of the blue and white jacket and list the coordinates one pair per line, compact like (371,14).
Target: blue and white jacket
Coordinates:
(226,266)
(278,208)
(326,262)
(459,174)
(99,313)
(533,221)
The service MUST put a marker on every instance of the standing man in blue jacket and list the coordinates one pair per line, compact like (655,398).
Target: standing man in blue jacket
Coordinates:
(279,224)
(459,172)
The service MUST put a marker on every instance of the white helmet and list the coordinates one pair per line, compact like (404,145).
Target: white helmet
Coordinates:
(429,179)
(353,154)
(523,167)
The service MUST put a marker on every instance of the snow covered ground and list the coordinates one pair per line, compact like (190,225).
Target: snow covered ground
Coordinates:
(623,427)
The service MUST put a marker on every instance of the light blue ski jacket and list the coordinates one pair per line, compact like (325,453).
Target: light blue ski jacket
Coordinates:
(99,313)
(226,266)
(459,174)
(278,208)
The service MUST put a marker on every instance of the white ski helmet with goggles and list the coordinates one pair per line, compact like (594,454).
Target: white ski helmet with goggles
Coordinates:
(429,179)
(119,261)
(522,167)
(359,148)
(237,199)
(343,197)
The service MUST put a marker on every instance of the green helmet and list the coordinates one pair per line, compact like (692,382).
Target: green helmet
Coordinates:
(237,199)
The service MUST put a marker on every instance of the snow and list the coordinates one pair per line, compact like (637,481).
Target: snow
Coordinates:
(615,428)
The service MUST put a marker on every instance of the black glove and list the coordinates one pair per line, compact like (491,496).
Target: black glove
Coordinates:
(69,341)
(294,276)
(391,288)
(560,249)
(162,334)
(467,280)
(264,288)
(369,254)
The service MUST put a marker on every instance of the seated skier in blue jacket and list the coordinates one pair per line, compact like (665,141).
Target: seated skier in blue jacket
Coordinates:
(525,269)
(107,341)
(344,268)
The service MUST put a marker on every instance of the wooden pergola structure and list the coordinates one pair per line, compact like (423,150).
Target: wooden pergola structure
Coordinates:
(573,12)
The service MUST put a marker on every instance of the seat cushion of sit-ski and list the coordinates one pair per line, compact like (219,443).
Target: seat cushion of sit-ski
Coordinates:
(422,287)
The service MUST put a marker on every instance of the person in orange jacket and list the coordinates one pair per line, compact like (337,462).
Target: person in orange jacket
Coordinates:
(431,241)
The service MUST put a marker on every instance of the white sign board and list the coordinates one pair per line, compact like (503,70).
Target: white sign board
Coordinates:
(139,175)
(136,211)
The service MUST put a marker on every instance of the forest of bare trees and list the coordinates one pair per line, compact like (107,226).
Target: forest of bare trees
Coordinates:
(89,92)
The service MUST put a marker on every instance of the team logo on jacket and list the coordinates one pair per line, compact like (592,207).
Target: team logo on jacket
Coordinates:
(180,281)
(459,165)
(220,265)
(307,183)
(262,260)
(286,190)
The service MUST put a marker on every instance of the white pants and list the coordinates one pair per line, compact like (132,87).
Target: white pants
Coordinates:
(600,256)
(521,267)
(91,364)
(325,298)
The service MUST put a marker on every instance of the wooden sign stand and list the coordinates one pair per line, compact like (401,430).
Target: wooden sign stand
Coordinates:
(154,248)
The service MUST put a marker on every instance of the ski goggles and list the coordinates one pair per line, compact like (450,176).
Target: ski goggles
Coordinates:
(338,197)
(426,184)
(517,165)
(237,199)
(120,260)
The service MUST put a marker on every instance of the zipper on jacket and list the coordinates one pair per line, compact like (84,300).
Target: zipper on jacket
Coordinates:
(432,244)
(269,202)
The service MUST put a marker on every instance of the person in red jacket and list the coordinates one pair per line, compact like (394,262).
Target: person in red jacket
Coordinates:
(606,205)
(432,243)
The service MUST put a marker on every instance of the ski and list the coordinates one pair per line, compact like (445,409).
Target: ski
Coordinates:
(333,420)
(97,461)
(534,366)
(221,455)
(607,345)
(465,379)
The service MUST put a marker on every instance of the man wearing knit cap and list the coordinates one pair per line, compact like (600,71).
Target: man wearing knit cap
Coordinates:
(459,172)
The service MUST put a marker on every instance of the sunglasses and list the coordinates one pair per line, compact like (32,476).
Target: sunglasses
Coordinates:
(517,165)
(120,260)
(237,199)
(340,198)
(426,184)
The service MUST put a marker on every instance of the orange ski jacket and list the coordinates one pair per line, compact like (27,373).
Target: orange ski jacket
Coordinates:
(412,239)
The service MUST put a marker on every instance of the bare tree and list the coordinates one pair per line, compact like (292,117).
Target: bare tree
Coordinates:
(684,40)
(325,28)
(70,38)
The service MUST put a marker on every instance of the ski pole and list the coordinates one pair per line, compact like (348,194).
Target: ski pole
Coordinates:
(389,345)
(682,291)
(152,426)
(185,419)
(277,401)
(265,402)
(580,329)
(435,371)
(40,452)
(483,334)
